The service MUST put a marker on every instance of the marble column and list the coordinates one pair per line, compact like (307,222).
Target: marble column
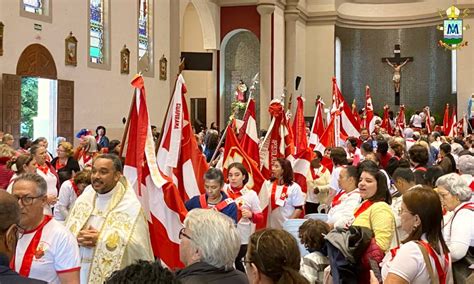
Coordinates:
(265,11)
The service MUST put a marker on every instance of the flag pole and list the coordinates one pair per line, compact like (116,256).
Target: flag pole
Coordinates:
(180,69)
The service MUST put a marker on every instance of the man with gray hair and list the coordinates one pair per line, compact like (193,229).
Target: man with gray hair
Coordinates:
(47,250)
(10,232)
(209,246)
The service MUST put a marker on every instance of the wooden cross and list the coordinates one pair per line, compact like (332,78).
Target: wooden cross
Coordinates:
(397,59)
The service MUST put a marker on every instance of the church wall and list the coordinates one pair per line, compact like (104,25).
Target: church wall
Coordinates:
(199,83)
(465,69)
(278,53)
(300,68)
(319,69)
(426,81)
(101,97)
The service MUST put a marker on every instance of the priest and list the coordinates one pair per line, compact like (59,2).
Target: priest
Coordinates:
(108,222)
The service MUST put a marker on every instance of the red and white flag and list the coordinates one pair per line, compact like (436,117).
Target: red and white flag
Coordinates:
(317,128)
(446,120)
(355,113)
(348,123)
(453,123)
(178,154)
(278,143)
(369,119)
(160,199)
(248,134)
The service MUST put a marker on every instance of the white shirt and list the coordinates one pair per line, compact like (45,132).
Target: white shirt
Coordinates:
(458,232)
(51,181)
(10,185)
(249,200)
(416,120)
(60,253)
(334,178)
(342,215)
(66,199)
(95,221)
(280,214)
(410,265)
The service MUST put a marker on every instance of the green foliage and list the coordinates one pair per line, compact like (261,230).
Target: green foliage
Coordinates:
(29,105)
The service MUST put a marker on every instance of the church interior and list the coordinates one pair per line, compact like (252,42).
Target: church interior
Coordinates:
(82,56)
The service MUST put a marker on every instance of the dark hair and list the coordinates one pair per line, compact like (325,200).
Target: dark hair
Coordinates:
(117,163)
(34,148)
(311,234)
(318,155)
(214,174)
(445,147)
(352,141)
(142,271)
(382,146)
(287,171)
(366,164)
(100,127)
(338,156)
(397,148)
(432,174)
(275,253)
(367,147)
(419,154)
(426,203)
(353,173)
(382,193)
(37,140)
(83,176)
(112,145)
(242,169)
(20,161)
(404,173)
(24,141)
(9,211)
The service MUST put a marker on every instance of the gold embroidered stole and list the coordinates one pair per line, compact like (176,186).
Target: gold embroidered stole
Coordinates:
(115,232)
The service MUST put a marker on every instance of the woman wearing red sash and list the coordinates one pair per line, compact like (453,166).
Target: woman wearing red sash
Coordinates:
(25,163)
(248,206)
(69,192)
(458,227)
(45,170)
(421,218)
(64,163)
(374,213)
(286,198)
(419,157)
(86,151)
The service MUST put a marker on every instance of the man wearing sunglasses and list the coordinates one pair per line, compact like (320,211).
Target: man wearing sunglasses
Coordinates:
(47,250)
(10,232)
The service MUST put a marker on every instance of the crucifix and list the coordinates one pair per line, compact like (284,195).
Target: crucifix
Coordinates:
(397,62)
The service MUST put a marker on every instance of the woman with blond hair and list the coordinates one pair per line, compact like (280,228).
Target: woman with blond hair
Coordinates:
(6,154)
(64,163)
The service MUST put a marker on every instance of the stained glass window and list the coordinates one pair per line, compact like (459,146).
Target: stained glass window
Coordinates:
(33,6)
(143,28)
(96,31)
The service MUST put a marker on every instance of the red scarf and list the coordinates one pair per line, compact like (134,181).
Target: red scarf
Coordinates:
(86,158)
(364,206)
(234,192)
(337,199)
(44,169)
(442,272)
(472,185)
(314,175)
(283,196)
(59,165)
(75,188)
(32,249)
(219,206)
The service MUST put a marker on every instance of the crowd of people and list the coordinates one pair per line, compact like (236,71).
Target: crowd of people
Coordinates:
(380,208)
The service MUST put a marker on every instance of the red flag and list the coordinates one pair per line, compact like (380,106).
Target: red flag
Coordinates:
(452,128)
(400,122)
(299,127)
(446,120)
(317,128)
(249,139)
(178,154)
(386,120)
(159,197)
(355,113)
(328,139)
(369,119)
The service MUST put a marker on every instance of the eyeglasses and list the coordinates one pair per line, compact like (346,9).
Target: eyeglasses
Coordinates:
(27,200)
(183,234)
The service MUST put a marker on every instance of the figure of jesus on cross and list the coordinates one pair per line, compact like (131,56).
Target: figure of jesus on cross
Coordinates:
(397,62)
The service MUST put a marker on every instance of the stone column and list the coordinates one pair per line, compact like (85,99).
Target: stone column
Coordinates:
(290,54)
(265,11)
(175,49)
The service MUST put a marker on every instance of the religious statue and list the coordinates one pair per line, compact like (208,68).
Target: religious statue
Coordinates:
(397,73)
(240,91)
(125,60)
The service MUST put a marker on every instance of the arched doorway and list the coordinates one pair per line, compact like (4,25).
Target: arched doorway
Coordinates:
(35,98)
(239,60)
